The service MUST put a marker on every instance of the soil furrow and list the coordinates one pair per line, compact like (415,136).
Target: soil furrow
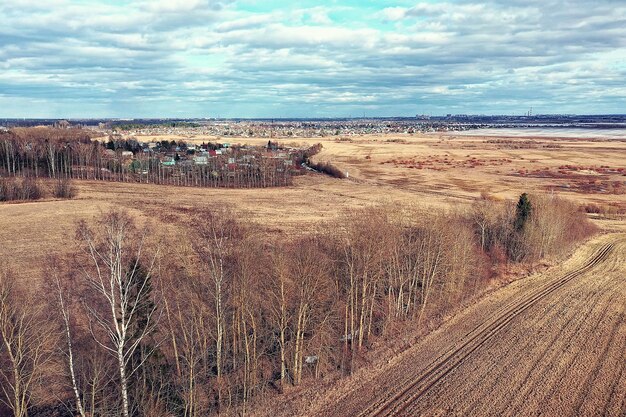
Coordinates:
(397,403)
(542,389)
(617,387)
(593,369)
(517,395)
(507,353)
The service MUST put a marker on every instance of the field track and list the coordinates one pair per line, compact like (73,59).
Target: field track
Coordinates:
(556,348)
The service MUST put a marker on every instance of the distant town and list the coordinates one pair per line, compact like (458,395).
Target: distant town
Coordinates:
(286,128)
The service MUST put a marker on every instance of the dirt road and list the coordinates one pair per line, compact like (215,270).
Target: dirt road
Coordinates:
(552,345)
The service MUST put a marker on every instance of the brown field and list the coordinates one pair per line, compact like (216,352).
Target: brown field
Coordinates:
(441,170)
(551,344)
(459,167)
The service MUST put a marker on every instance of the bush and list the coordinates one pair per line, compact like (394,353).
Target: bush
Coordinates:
(554,226)
(12,189)
(64,189)
(312,150)
(7,189)
(328,169)
(592,208)
(30,189)
(604,209)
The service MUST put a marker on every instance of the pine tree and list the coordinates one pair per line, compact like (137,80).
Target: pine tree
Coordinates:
(147,366)
(522,211)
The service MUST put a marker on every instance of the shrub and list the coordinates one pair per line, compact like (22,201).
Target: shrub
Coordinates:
(7,189)
(64,189)
(30,189)
(535,227)
(592,208)
(12,189)
(554,226)
(328,169)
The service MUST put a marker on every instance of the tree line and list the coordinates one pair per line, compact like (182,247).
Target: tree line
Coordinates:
(233,314)
(72,154)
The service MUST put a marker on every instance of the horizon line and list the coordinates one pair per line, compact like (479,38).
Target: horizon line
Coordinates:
(322,117)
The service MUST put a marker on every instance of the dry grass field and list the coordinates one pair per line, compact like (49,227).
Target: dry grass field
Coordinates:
(461,167)
(552,344)
(442,170)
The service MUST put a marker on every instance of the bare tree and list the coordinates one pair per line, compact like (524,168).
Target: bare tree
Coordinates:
(189,338)
(483,216)
(362,251)
(310,274)
(64,310)
(115,251)
(278,288)
(246,317)
(217,236)
(26,346)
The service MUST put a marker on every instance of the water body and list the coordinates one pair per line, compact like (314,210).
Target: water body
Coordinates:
(545,132)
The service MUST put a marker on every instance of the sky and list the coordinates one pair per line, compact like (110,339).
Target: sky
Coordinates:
(270,58)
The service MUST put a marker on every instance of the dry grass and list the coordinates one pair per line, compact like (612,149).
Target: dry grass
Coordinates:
(463,169)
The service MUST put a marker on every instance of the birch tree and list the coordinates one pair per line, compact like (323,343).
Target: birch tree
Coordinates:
(114,250)
(310,275)
(64,311)
(278,289)
(216,237)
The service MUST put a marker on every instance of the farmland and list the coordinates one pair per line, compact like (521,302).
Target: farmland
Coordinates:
(436,181)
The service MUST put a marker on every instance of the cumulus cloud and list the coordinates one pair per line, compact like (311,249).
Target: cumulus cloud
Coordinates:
(66,58)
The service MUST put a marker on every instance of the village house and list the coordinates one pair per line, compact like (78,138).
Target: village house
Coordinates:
(168,161)
(200,160)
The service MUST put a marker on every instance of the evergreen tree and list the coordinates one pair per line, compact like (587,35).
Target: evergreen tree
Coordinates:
(522,211)
(149,373)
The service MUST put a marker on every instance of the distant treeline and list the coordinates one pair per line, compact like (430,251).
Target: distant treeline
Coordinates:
(59,153)
(324,167)
(133,126)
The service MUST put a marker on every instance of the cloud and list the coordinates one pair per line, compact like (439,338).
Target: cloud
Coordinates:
(65,58)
